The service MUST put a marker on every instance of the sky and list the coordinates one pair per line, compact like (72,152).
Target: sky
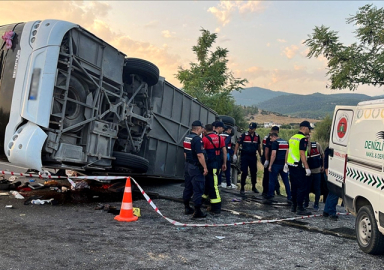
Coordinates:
(264,38)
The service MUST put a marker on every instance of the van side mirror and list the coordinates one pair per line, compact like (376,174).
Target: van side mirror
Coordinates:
(330,152)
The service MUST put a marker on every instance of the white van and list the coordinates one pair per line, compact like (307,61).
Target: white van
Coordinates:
(356,162)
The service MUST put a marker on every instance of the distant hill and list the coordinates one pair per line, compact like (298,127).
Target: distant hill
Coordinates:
(262,117)
(312,106)
(255,95)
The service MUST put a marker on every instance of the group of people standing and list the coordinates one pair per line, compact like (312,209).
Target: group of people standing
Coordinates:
(207,155)
(208,152)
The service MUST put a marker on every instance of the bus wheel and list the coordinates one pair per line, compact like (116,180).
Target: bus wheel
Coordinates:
(136,163)
(74,112)
(146,70)
(228,120)
(368,236)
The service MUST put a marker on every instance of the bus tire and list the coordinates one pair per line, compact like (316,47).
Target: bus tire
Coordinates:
(227,120)
(136,163)
(74,113)
(368,236)
(145,69)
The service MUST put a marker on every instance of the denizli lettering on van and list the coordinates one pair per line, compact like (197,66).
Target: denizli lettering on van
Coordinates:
(377,145)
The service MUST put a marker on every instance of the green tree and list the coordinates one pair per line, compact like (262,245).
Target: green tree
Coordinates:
(286,126)
(210,80)
(238,114)
(359,63)
(322,131)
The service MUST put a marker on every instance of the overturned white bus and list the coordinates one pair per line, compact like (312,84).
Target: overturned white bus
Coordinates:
(70,100)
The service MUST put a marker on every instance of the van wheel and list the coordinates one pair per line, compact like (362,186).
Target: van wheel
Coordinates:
(136,163)
(146,70)
(369,238)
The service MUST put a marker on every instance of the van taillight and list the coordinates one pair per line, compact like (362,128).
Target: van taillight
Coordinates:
(345,167)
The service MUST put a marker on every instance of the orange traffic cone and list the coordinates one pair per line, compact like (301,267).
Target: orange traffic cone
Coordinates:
(126,211)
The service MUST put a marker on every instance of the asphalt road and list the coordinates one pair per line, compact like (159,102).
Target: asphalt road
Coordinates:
(76,236)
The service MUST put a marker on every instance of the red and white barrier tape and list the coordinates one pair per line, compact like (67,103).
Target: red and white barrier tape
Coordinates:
(149,200)
(176,223)
(45,176)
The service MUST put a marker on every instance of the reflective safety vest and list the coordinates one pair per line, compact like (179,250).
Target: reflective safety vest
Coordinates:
(281,151)
(225,135)
(294,150)
(250,143)
(314,158)
(265,142)
(264,146)
(191,156)
(283,144)
(213,147)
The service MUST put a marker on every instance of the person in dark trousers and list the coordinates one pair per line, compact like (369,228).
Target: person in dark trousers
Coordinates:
(296,161)
(332,198)
(276,166)
(228,144)
(218,129)
(265,159)
(214,145)
(315,163)
(195,170)
(251,144)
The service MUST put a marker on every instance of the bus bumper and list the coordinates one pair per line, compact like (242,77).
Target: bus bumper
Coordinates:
(26,145)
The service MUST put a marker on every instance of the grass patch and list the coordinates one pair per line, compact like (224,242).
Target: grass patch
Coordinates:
(259,183)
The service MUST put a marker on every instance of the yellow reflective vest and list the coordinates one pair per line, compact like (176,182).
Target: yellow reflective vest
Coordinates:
(294,150)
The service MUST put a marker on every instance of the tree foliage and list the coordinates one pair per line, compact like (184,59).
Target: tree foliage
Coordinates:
(322,131)
(210,80)
(359,63)
(250,110)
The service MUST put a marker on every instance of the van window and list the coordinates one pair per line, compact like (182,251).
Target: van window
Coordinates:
(342,126)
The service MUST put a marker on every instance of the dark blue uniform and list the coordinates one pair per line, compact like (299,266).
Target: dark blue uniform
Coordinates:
(281,147)
(194,177)
(250,145)
(266,144)
(228,145)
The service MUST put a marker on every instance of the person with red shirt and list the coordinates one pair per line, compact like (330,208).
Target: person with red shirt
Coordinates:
(214,146)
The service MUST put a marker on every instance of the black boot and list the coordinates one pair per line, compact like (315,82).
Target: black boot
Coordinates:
(301,211)
(188,210)
(293,208)
(215,208)
(198,213)
(254,189)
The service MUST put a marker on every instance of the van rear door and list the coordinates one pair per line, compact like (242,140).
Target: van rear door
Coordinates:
(341,128)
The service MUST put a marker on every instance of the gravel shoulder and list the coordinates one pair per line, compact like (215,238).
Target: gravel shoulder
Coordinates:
(76,236)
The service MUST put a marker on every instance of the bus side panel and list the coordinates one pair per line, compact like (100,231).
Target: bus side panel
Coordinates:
(8,64)
(174,111)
